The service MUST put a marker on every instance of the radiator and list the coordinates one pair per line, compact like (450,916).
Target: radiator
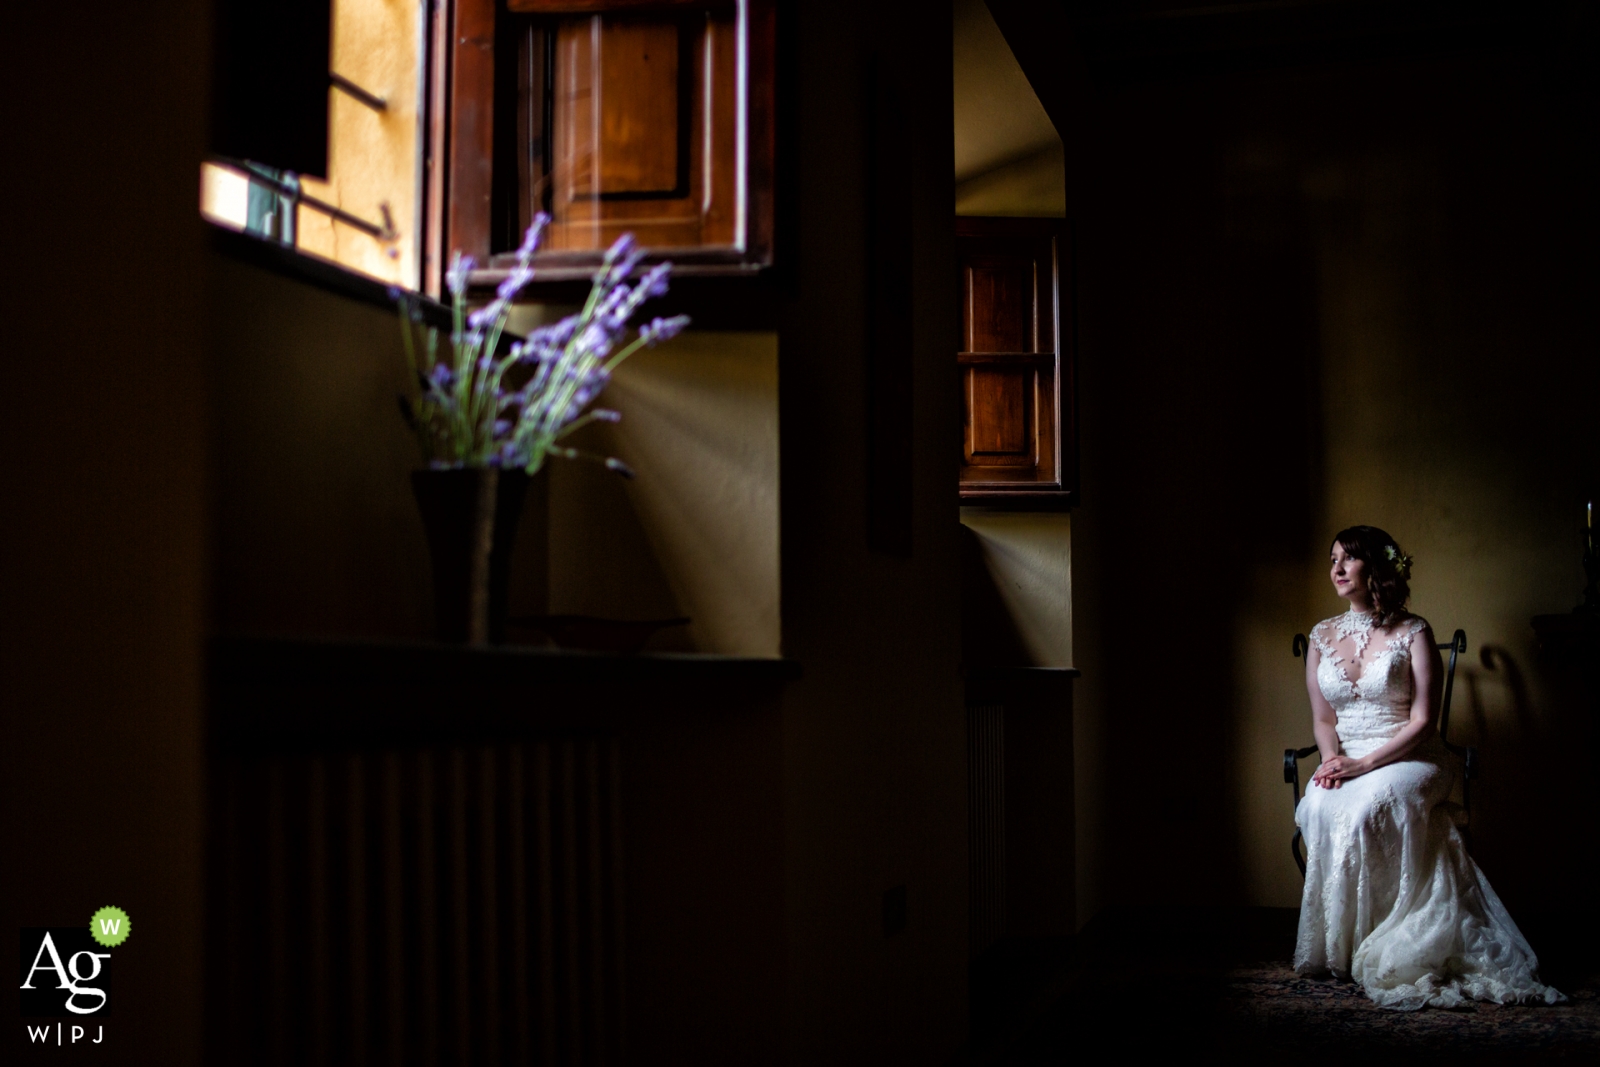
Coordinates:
(435,906)
(986,809)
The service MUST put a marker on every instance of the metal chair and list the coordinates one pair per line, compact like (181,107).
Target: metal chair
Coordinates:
(1467,753)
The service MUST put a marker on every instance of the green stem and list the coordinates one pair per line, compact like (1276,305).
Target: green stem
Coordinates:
(633,346)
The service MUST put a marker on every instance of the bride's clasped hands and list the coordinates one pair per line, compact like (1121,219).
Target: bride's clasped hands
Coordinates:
(1332,773)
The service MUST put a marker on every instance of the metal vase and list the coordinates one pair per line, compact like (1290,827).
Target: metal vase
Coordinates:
(471,517)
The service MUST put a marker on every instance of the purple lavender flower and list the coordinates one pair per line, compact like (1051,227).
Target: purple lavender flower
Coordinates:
(596,338)
(618,249)
(456,277)
(512,284)
(630,263)
(530,240)
(654,283)
(659,329)
(606,312)
(555,335)
(470,414)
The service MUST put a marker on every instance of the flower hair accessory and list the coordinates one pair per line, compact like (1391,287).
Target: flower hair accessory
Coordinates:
(1401,561)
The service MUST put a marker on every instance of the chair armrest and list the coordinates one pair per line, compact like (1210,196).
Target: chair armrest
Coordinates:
(1291,762)
(1291,768)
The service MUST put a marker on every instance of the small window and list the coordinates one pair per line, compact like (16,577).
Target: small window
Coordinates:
(412,129)
(1018,437)
(359,205)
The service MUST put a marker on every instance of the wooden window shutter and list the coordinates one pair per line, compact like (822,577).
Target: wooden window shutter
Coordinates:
(654,117)
(1017,433)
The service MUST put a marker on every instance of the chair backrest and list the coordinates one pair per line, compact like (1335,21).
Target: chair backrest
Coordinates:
(1455,646)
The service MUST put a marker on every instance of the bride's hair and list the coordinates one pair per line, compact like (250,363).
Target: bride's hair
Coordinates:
(1388,569)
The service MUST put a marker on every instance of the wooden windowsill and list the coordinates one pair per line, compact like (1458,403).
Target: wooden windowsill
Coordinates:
(358,693)
(746,302)
(1022,672)
(313,270)
(1050,686)
(985,500)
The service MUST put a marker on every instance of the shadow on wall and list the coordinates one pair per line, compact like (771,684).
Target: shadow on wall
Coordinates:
(317,531)
(1535,746)
(696,533)
(989,635)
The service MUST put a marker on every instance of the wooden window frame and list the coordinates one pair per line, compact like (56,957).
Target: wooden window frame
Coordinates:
(1055,403)
(461,144)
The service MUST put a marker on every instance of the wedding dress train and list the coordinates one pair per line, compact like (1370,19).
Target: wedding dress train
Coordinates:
(1392,900)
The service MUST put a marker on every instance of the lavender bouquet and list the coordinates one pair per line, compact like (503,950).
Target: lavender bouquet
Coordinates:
(477,407)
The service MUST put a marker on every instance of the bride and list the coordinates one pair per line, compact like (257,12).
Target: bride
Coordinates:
(1392,900)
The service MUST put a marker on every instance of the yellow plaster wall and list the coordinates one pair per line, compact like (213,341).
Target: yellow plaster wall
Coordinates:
(1027,556)
(696,532)
(372,155)
(1034,186)
(316,528)
(700,427)
(318,531)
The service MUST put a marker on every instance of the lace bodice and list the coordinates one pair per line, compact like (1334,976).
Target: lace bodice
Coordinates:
(1370,688)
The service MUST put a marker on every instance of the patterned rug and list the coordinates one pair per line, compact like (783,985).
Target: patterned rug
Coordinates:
(1268,1006)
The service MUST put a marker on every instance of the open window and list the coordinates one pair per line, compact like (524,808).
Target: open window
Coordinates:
(385,134)
(319,129)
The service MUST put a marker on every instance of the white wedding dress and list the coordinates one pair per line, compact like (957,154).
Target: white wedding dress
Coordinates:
(1392,900)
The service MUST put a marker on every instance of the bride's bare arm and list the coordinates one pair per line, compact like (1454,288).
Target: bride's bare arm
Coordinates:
(1425,670)
(1323,719)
